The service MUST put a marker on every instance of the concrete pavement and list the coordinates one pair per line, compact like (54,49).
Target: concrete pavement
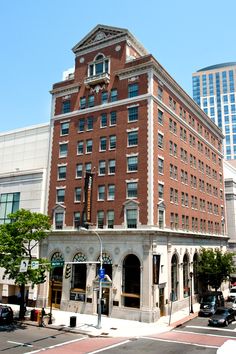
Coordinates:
(111,327)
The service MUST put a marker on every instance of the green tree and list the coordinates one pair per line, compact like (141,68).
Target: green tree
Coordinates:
(18,239)
(214,266)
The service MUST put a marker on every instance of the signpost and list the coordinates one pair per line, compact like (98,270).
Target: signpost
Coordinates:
(24,265)
(34,264)
(56,264)
(101,273)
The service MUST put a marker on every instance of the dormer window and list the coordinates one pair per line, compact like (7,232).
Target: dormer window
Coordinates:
(98,71)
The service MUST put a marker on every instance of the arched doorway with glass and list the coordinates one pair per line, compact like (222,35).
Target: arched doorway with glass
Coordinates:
(131,281)
(174,278)
(106,283)
(56,277)
(79,277)
(186,275)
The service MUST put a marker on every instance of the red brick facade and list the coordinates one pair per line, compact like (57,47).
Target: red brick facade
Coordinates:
(183,137)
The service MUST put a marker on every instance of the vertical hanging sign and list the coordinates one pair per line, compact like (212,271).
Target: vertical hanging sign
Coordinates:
(88,196)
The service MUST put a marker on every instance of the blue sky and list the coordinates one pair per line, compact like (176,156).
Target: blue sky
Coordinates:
(37,37)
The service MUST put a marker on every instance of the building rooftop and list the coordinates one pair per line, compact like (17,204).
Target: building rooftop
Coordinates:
(217,66)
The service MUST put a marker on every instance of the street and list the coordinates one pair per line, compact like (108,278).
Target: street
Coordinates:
(193,337)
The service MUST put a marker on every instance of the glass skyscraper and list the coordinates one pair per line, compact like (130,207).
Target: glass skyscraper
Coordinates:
(214,90)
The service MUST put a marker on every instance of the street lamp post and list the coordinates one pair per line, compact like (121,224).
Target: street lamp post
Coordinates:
(99,277)
(191,292)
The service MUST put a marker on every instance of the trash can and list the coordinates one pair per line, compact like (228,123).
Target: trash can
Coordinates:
(73,321)
(32,315)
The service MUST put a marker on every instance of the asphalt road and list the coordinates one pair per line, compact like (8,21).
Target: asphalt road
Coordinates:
(194,337)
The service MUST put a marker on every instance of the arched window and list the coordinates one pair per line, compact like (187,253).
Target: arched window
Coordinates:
(99,66)
(57,272)
(79,273)
(195,276)
(174,278)
(185,275)
(106,264)
(131,281)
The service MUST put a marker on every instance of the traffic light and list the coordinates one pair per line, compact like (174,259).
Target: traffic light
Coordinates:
(68,271)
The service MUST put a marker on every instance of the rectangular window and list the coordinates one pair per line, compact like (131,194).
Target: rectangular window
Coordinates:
(132,189)
(131,218)
(103,144)
(79,170)
(77,220)
(61,172)
(103,121)
(90,123)
(132,163)
(113,118)
(160,140)
(89,146)
(88,167)
(112,142)
(132,114)
(101,192)
(60,195)
(102,168)
(100,219)
(114,95)
(9,203)
(90,101)
(132,90)
(160,190)
(111,192)
(160,93)
(82,102)
(63,150)
(104,97)
(160,165)
(160,117)
(66,107)
(110,219)
(80,147)
(111,167)
(133,138)
(81,125)
(59,217)
(78,194)
(65,128)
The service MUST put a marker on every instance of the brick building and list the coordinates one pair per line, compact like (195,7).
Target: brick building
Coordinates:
(136,159)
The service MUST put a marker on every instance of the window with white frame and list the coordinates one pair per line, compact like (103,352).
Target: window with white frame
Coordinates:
(59,218)
(111,192)
(113,118)
(111,167)
(60,195)
(160,190)
(81,125)
(133,90)
(112,142)
(63,149)
(132,189)
(133,138)
(79,170)
(80,147)
(132,114)
(103,144)
(160,140)
(77,219)
(132,163)
(113,95)
(90,123)
(78,194)
(104,97)
(101,192)
(99,66)
(131,218)
(100,219)
(102,168)
(65,128)
(103,121)
(91,101)
(89,146)
(61,173)
(160,165)
(110,219)
(88,167)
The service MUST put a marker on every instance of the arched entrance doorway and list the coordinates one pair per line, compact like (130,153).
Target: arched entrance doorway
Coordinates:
(174,278)
(131,281)
(186,275)
(56,277)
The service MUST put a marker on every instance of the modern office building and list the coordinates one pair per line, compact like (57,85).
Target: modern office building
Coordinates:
(23,180)
(136,168)
(214,90)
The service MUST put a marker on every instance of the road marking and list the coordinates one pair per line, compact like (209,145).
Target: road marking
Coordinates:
(180,342)
(110,347)
(205,334)
(213,328)
(19,343)
(56,345)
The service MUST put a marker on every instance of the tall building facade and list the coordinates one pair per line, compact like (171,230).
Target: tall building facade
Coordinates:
(135,161)
(23,184)
(214,90)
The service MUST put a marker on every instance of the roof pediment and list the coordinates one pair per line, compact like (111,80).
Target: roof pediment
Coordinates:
(103,34)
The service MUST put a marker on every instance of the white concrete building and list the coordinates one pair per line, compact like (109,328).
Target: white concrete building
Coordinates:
(23,178)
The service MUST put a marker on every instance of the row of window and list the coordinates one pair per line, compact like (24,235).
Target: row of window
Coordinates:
(201,225)
(183,115)
(131,192)
(173,170)
(88,102)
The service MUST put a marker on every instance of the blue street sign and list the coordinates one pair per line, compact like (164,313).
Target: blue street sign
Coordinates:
(101,273)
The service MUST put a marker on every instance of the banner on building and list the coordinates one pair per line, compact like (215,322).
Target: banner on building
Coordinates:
(88,196)
(156,268)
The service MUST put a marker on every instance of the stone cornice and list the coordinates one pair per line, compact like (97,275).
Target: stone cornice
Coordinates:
(65,90)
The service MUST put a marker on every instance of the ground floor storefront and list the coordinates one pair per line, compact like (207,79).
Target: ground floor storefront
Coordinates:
(147,272)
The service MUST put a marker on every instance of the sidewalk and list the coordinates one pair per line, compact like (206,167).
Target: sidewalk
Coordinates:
(111,327)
